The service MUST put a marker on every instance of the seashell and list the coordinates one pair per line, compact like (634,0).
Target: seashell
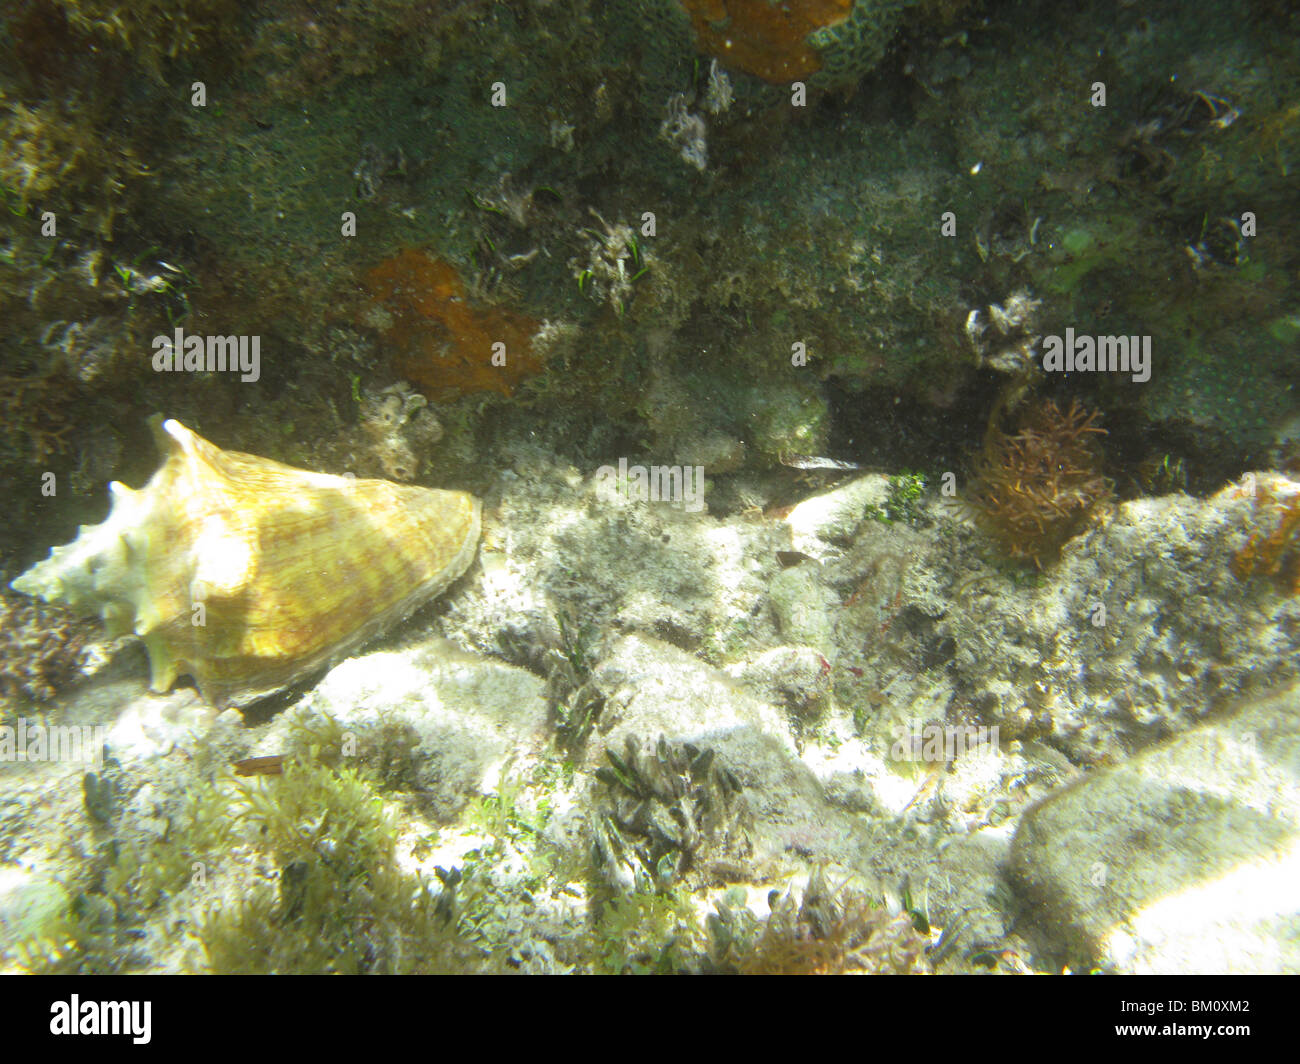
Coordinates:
(247,574)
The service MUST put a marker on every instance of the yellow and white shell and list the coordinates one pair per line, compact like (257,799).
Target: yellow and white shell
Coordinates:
(247,574)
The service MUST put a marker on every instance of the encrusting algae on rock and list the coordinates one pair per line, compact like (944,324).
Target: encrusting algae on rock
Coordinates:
(248,574)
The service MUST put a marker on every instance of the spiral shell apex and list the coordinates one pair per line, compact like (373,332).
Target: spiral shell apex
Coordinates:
(248,574)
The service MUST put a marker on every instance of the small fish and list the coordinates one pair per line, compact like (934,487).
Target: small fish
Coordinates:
(260,766)
(931,785)
(808,461)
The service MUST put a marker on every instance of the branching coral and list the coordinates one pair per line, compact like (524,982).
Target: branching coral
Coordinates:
(1036,489)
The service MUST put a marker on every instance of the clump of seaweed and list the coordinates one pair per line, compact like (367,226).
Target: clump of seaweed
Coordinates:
(154,30)
(1036,489)
(35,419)
(646,932)
(57,155)
(319,890)
(575,700)
(615,260)
(663,810)
(341,902)
(1275,553)
(825,932)
(127,878)
(42,647)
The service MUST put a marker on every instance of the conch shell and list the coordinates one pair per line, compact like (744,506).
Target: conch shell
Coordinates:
(247,574)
